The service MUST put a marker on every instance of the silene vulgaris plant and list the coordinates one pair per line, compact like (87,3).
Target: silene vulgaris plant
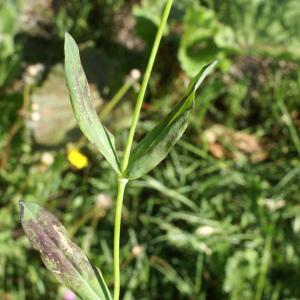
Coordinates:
(62,257)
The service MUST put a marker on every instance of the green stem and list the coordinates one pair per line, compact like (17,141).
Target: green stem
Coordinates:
(199,273)
(264,268)
(118,216)
(116,99)
(142,92)
(122,181)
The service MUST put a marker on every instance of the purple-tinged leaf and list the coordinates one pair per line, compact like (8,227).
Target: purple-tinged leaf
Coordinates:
(61,256)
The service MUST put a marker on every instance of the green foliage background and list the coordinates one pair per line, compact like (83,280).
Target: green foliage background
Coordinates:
(219,218)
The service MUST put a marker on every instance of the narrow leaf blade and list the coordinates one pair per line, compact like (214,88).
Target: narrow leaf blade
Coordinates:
(83,107)
(62,257)
(102,283)
(160,140)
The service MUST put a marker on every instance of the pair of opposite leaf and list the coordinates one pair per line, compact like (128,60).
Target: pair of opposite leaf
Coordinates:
(158,142)
(61,256)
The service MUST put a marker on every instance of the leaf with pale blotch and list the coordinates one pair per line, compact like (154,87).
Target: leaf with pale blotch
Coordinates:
(83,107)
(61,256)
(160,140)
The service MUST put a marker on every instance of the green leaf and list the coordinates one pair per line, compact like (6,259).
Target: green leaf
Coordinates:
(102,283)
(61,256)
(204,39)
(159,141)
(83,107)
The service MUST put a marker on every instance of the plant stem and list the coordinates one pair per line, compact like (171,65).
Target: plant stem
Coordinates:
(142,92)
(199,273)
(264,268)
(118,216)
(123,181)
(116,99)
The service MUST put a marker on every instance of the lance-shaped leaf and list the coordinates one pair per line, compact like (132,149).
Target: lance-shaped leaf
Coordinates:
(152,149)
(83,107)
(61,256)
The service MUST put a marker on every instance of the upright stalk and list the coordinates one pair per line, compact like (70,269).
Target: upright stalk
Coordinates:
(264,268)
(144,85)
(118,216)
(123,181)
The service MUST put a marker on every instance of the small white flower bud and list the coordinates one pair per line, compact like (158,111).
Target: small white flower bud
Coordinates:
(35,70)
(135,74)
(47,158)
(103,201)
(137,250)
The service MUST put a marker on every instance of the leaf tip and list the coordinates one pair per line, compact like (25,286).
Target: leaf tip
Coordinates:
(208,69)
(213,64)
(69,42)
(28,211)
(67,35)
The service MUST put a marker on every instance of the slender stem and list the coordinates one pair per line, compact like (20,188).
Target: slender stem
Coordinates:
(116,99)
(264,268)
(121,189)
(199,273)
(122,181)
(142,92)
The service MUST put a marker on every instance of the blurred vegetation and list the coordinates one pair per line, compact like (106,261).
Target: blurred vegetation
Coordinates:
(220,217)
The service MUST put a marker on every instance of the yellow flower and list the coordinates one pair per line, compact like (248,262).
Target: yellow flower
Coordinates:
(77,159)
